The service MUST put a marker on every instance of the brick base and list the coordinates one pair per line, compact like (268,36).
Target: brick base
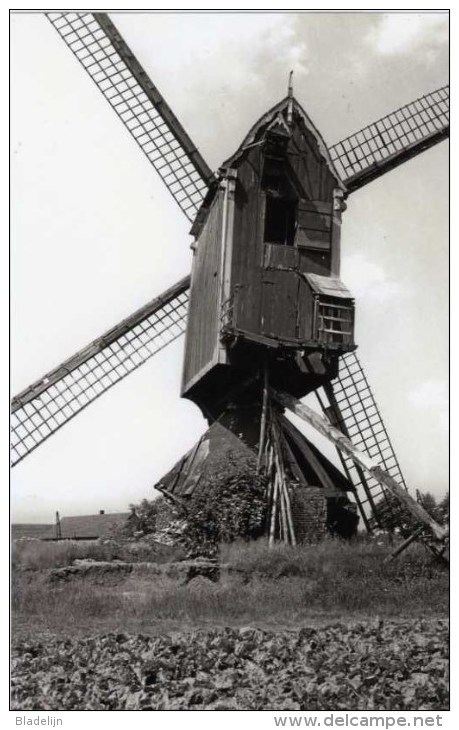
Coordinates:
(309,512)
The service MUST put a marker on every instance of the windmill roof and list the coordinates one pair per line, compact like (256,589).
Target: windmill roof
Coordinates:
(300,116)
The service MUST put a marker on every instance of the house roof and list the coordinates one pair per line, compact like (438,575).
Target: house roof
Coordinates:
(91,526)
(80,527)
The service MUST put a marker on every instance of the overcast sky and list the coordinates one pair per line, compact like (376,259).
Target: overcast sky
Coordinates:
(95,234)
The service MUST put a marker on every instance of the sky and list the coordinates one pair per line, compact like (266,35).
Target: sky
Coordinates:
(95,234)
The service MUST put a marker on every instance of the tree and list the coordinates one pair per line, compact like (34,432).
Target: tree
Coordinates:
(395,516)
(146,514)
(443,509)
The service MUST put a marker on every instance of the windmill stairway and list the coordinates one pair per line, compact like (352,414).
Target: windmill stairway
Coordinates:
(349,405)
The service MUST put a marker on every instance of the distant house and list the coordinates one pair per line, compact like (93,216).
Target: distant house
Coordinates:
(85,527)
(91,527)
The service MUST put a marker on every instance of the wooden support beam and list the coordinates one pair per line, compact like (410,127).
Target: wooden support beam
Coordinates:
(264,413)
(370,465)
(272,528)
(286,511)
(323,479)
(414,536)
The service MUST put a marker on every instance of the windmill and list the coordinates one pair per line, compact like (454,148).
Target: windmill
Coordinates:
(44,407)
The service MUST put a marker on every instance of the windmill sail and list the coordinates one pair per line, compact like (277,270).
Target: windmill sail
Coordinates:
(103,53)
(41,409)
(393,139)
(352,408)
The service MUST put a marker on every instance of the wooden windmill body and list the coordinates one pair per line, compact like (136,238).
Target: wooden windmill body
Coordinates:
(267,306)
(265,292)
(265,268)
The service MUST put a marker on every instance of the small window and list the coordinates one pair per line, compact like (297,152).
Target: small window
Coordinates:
(334,321)
(280,220)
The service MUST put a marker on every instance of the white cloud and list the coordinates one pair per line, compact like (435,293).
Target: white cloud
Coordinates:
(432,396)
(401,33)
(367,280)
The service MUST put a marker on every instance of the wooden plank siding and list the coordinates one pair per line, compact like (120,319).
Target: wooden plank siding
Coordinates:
(248,244)
(272,299)
(203,330)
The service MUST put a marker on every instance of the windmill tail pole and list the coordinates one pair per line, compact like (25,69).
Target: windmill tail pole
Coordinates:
(369,465)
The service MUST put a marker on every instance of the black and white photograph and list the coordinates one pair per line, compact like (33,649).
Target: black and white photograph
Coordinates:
(229,348)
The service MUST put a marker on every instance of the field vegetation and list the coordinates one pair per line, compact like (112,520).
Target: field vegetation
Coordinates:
(327,626)
(128,623)
(282,585)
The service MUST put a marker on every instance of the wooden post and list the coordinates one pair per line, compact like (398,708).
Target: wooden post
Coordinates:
(368,464)
(283,510)
(287,512)
(403,545)
(264,412)
(289,516)
(272,528)
(269,494)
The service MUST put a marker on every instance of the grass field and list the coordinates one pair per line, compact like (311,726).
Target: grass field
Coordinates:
(283,585)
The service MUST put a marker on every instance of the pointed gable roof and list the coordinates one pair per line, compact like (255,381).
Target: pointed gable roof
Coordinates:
(274,117)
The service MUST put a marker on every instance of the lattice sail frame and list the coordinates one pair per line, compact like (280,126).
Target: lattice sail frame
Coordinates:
(43,408)
(103,53)
(391,140)
(353,409)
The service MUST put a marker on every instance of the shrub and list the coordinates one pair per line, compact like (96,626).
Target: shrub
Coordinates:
(229,504)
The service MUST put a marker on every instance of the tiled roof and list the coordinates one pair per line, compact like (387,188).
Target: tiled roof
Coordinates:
(92,525)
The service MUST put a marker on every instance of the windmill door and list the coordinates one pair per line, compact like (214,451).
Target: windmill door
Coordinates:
(280,289)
